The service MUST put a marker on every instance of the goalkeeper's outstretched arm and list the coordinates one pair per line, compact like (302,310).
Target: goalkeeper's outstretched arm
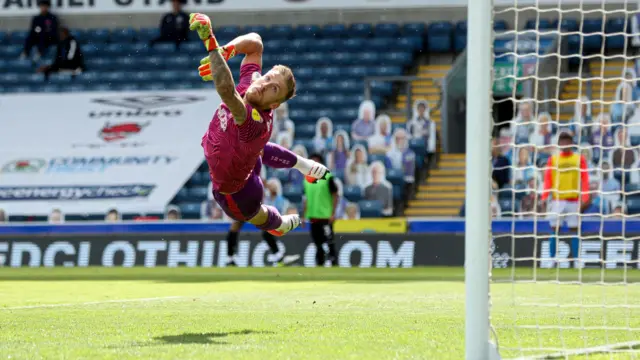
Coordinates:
(250,45)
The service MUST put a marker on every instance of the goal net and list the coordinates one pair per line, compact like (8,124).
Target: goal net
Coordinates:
(564,250)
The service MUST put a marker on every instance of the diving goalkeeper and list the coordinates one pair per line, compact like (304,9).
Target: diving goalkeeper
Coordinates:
(566,181)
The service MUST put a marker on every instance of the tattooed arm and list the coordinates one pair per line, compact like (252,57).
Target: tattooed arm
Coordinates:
(226,88)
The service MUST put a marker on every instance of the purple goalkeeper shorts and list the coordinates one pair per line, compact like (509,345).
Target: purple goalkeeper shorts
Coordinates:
(244,204)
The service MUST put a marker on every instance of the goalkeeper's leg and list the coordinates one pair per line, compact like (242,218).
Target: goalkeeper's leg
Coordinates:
(278,157)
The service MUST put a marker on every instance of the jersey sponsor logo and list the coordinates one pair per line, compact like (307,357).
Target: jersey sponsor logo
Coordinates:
(255,115)
(82,164)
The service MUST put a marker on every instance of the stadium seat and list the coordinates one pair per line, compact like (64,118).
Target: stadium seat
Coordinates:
(341,58)
(99,87)
(324,45)
(98,36)
(79,34)
(123,35)
(357,71)
(190,211)
(228,32)
(318,86)
(348,115)
(18,37)
(368,58)
(395,176)
(352,193)
(163,49)
(380,44)
(568,25)
(592,42)
(199,193)
(439,37)
(299,46)
(509,207)
(633,206)
(541,24)
(153,62)
(129,87)
(100,64)
(398,192)
(386,71)
(4,37)
(306,130)
(306,31)
(460,37)
(387,30)
(299,114)
(280,32)
(147,34)
(20,66)
(360,30)
(414,29)
(333,31)
(615,26)
(293,193)
(181,196)
(500,25)
(370,208)
(10,51)
(352,45)
(262,30)
(9,79)
(115,50)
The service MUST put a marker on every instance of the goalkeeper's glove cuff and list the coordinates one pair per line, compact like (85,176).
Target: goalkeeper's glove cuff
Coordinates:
(211,44)
(228,51)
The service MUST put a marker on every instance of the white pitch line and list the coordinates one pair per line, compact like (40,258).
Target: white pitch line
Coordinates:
(93,303)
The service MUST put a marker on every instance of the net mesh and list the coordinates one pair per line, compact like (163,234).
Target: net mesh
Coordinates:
(567,67)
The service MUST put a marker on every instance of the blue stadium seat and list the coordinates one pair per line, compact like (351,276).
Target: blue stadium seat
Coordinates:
(293,193)
(129,87)
(4,37)
(305,131)
(259,29)
(50,88)
(180,61)
(198,193)
(396,58)
(370,208)
(360,30)
(163,49)
(276,45)
(99,87)
(500,25)
(353,45)
(509,207)
(91,50)
(460,37)
(346,115)
(377,157)
(60,79)
(100,64)
(398,192)
(306,32)
(414,29)
(32,79)
(154,63)
(116,77)
(22,89)
(147,34)
(633,206)
(592,42)
(10,51)
(98,36)
(230,31)
(616,25)
(293,60)
(341,58)
(139,49)
(387,71)
(439,37)
(115,50)
(413,43)
(334,31)
(20,66)
(567,25)
(325,45)
(123,35)
(319,86)
(299,114)
(368,58)
(395,176)
(352,193)
(10,79)
(318,113)
(387,30)
(79,34)
(541,24)
(357,71)
(199,179)
(281,32)
(190,211)
(380,44)
(299,45)
(169,76)
(329,72)
(18,37)
(632,189)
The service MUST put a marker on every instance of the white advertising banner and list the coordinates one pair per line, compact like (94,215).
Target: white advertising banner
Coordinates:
(28,7)
(90,152)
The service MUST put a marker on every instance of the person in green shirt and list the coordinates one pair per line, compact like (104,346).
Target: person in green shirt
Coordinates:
(320,204)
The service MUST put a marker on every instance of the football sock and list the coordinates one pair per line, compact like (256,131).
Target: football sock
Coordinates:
(552,247)
(274,219)
(278,157)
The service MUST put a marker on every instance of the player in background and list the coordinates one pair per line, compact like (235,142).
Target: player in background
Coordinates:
(241,127)
(566,180)
(232,246)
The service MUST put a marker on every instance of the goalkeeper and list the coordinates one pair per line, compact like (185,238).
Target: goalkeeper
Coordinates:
(566,180)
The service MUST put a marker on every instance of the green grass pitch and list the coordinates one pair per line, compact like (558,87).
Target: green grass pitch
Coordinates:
(299,313)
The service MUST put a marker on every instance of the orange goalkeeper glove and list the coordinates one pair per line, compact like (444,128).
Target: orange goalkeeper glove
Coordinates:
(202,24)
(204,69)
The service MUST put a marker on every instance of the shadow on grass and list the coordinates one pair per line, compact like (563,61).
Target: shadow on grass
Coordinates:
(205,338)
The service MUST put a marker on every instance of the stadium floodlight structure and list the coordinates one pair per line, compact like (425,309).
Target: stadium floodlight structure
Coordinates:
(539,307)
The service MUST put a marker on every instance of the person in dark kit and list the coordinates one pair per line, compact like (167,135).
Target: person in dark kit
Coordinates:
(320,204)
(69,56)
(501,173)
(43,32)
(174,26)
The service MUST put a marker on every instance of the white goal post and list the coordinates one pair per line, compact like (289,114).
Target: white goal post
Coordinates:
(568,291)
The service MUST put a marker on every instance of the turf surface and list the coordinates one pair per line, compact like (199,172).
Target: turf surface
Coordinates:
(300,313)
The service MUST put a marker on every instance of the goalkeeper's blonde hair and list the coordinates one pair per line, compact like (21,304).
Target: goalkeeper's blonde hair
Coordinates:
(290,80)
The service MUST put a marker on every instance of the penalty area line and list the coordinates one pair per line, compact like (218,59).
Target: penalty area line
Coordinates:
(93,303)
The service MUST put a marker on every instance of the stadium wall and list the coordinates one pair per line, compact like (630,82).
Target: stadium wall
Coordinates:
(425,243)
